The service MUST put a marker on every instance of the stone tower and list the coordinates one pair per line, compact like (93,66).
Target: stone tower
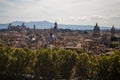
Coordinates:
(55,29)
(55,25)
(34,27)
(96,32)
(113,31)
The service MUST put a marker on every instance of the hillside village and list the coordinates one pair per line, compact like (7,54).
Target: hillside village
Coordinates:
(95,42)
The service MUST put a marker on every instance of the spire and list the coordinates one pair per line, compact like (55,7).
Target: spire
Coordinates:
(55,25)
(113,26)
(55,22)
(96,24)
(34,27)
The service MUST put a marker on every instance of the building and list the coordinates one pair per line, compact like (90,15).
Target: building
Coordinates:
(17,28)
(51,38)
(55,25)
(96,32)
(113,31)
(34,27)
(55,29)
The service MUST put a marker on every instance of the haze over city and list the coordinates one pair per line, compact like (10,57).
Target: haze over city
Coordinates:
(84,12)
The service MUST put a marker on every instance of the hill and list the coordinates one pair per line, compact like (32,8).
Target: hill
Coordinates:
(48,25)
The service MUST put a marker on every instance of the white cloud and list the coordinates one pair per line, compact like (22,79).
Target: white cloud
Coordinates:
(64,11)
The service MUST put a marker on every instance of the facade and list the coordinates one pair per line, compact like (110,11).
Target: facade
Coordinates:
(96,32)
(17,28)
(51,38)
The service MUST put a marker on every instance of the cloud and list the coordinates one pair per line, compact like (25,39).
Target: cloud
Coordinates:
(65,11)
(3,0)
(82,18)
(8,3)
(103,17)
(98,17)
(114,17)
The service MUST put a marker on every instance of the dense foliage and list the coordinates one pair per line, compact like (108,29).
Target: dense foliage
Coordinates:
(25,64)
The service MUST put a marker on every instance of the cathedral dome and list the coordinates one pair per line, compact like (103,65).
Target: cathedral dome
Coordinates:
(96,27)
(113,30)
(96,32)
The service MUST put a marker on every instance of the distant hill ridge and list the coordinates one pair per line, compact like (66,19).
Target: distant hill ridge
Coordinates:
(48,25)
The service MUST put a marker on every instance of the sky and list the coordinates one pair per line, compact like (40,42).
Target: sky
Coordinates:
(81,12)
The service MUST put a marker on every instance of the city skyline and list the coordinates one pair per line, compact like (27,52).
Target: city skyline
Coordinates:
(84,12)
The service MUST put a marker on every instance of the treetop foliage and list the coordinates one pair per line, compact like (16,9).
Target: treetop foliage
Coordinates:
(22,64)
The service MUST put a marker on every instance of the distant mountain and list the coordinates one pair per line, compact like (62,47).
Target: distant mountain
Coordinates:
(48,25)
(3,26)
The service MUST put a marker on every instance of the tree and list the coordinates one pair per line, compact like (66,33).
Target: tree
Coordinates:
(29,61)
(114,69)
(17,62)
(93,67)
(67,61)
(103,67)
(4,59)
(82,70)
(44,66)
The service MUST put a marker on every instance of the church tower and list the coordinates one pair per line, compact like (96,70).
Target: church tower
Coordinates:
(55,29)
(113,31)
(96,32)
(34,27)
(55,25)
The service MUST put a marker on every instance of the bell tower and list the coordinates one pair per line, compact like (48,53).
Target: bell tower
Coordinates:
(55,25)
